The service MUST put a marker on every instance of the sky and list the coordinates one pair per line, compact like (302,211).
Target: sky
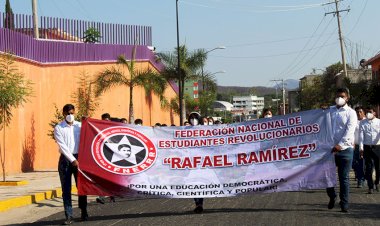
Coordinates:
(265,39)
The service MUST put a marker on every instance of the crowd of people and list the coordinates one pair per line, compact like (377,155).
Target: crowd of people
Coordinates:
(356,135)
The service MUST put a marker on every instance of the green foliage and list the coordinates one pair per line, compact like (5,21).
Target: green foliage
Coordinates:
(84,98)
(91,35)
(58,117)
(9,16)
(151,81)
(15,90)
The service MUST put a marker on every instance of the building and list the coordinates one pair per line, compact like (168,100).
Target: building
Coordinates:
(248,104)
(53,66)
(191,89)
(374,62)
(222,106)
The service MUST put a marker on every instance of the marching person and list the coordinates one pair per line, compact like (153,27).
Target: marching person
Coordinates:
(195,119)
(358,161)
(67,135)
(343,120)
(370,147)
(267,113)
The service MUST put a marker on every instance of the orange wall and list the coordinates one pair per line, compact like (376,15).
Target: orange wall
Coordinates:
(55,84)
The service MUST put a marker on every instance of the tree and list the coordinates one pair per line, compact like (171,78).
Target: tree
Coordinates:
(153,83)
(113,76)
(84,100)
(207,96)
(15,90)
(9,16)
(91,35)
(190,62)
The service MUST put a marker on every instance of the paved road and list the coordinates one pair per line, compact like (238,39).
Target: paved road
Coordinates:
(289,208)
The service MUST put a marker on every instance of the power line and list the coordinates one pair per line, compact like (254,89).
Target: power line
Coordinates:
(275,55)
(337,13)
(293,66)
(273,41)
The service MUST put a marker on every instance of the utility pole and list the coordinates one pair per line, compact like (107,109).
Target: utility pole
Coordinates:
(283,95)
(337,13)
(35,18)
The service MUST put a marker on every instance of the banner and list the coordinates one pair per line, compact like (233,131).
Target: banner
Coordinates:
(283,153)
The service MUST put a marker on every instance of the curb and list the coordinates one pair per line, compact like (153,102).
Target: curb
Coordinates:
(14,183)
(30,199)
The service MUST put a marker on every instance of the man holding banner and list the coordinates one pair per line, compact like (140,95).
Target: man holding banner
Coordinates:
(344,122)
(67,134)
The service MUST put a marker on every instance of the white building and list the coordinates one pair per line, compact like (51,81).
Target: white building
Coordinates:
(248,104)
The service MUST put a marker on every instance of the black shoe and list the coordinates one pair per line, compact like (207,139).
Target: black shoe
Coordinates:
(331,203)
(84,216)
(112,199)
(370,191)
(198,209)
(377,187)
(344,210)
(68,221)
(100,200)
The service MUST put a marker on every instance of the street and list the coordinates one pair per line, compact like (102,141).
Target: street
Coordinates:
(287,208)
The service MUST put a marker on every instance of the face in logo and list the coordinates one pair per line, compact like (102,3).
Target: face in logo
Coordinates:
(123,151)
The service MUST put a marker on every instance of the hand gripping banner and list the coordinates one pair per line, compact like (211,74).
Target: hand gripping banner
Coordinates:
(284,153)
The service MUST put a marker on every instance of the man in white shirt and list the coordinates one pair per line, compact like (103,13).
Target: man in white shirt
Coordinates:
(358,161)
(344,120)
(67,135)
(370,147)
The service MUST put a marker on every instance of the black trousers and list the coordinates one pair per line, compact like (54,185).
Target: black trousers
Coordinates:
(66,170)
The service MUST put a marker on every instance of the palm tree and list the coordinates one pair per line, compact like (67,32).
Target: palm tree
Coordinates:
(112,77)
(190,62)
(153,83)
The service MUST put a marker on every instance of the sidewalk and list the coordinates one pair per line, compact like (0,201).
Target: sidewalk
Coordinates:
(40,186)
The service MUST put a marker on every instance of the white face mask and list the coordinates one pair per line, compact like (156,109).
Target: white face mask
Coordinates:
(370,116)
(340,101)
(211,123)
(194,121)
(70,118)
(267,116)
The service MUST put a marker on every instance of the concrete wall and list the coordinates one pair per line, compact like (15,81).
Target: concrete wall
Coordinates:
(27,136)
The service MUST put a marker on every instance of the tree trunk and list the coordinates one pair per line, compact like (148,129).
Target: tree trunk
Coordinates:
(131,113)
(183,113)
(3,157)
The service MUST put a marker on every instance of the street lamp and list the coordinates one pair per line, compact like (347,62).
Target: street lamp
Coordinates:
(180,84)
(205,54)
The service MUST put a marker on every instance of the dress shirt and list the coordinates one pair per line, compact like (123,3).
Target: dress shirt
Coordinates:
(370,132)
(67,137)
(357,132)
(343,121)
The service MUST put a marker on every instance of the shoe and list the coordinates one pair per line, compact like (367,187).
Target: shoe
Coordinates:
(331,203)
(68,221)
(344,210)
(112,199)
(198,209)
(370,191)
(377,187)
(100,200)
(84,216)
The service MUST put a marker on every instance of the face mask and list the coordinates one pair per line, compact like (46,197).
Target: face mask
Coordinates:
(70,118)
(267,116)
(370,116)
(194,121)
(340,101)
(211,123)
